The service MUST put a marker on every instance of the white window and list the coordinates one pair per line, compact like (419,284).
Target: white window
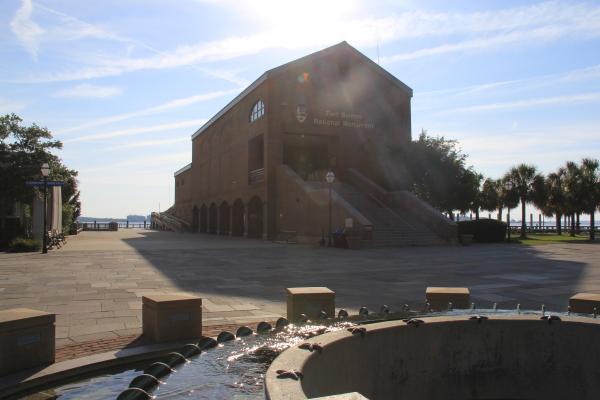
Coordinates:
(258,110)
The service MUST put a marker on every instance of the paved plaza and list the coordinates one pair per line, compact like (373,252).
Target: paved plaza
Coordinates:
(95,283)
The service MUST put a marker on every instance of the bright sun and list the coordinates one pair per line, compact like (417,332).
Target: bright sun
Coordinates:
(304,22)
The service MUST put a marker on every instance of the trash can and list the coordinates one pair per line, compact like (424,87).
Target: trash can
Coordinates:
(339,239)
(354,239)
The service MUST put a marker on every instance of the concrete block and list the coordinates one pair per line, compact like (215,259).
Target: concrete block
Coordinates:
(584,303)
(26,339)
(439,297)
(170,317)
(309,301)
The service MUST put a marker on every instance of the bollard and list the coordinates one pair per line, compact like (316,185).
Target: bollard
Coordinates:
(26,339)
(309,301)
(439,297)
(169,317)
(584,303)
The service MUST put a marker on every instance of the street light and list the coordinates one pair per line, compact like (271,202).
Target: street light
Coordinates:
(45,172)
(508,186)
(329,177)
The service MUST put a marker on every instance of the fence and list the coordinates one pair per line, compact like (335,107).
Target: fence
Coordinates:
(106,226)
(551,228)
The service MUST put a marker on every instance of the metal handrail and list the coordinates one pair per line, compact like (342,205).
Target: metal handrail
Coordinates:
(256,175)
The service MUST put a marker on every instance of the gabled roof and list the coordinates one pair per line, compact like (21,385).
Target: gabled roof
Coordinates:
(376,67)
(181,170)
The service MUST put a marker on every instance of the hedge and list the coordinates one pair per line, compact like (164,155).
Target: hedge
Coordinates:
(21,245)
(483,230)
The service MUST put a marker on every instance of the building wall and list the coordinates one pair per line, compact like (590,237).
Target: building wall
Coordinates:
(183,195)
(335,98)
(343,89)
(346,102)
(219,171)
(305,210)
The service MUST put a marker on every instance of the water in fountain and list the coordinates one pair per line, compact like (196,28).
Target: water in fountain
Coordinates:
(236,369)
(233,370)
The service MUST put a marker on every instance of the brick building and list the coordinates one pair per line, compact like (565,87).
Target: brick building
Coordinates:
(258,166)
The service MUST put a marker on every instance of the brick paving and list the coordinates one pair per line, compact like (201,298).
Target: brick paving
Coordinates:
(94,284)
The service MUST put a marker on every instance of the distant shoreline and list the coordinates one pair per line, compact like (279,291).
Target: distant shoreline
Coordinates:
(91,220)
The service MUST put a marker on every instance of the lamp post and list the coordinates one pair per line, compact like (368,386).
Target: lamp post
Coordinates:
(508,186)
(45,172)
(329,177)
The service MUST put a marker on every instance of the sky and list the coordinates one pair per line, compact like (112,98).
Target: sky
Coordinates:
(124,84)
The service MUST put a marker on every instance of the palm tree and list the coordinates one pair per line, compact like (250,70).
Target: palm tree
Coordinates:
(508,198)
(573,192)
(540,194)
(523,177)
(555,203)
(490,196)
(590,182)
(476,197)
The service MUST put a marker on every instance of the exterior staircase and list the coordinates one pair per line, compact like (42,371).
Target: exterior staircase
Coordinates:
(391,226)
(167,221)
(395,218)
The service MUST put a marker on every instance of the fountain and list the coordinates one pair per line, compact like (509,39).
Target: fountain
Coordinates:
(493,356)
(452,353)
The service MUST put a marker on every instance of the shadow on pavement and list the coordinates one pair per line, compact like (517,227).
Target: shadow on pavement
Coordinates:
(211,265)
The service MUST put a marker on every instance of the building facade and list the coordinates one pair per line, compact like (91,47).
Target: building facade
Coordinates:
(258,166)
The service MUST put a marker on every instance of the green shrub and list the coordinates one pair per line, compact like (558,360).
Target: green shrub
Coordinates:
(483,230)
(21,245)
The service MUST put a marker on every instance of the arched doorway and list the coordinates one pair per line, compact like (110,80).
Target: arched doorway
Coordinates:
(212,218)
(203,218)
(237,223)
(255,218)
(195,219)
(224,226)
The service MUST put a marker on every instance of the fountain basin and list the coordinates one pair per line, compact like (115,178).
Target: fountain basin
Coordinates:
(447,357)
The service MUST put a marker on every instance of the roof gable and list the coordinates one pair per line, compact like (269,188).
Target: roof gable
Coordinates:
(318,54)
(345,46)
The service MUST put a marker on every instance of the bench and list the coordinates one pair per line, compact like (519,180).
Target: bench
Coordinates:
(55,239)
(287,237)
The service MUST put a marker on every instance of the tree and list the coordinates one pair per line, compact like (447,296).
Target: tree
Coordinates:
(540,194)
(590,184)
(490,196)
(555,201)
(23,149)
(508,197)
(438,173)
(573,193)
(477,199)
(523,177)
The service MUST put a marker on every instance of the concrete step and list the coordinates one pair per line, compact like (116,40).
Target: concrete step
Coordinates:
(391,226)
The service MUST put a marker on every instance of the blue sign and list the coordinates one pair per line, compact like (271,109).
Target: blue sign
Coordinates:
(41,183)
